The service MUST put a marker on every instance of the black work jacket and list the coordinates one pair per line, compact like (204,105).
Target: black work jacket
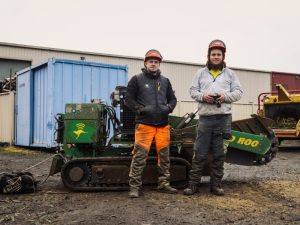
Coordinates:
(151,97)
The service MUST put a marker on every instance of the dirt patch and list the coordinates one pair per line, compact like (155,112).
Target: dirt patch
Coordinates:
(267,194)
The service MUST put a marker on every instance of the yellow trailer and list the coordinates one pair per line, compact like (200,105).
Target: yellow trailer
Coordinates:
(283,107)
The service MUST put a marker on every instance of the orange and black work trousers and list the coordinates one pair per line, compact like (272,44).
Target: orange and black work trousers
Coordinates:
(144,135)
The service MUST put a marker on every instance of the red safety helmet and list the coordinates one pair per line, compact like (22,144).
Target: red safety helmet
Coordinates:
(217,44)
(152,53)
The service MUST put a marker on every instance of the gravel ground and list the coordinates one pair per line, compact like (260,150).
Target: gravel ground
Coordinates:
(268,194)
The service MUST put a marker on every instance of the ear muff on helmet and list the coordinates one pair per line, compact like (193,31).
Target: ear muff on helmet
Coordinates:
(218,44)
(152,53)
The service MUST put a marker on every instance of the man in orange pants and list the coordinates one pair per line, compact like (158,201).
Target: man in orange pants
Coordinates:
(150,95)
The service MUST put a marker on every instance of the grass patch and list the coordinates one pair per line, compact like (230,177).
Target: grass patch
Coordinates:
(17,151)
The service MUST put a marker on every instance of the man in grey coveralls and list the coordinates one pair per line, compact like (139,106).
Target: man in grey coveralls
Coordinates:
(214,87)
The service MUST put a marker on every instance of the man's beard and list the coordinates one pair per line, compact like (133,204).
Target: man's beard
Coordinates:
(153,72)
(212,66)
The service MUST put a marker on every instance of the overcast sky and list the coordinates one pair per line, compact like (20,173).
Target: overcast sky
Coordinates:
(259,34)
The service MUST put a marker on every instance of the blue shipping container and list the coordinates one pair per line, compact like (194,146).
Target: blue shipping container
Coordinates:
(44,89)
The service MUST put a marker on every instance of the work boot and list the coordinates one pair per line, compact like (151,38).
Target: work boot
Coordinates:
(167,189)
(133,193)
(190,190)
(217,190)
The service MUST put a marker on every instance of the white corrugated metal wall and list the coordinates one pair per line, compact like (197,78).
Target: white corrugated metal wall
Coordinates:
(7,117)
(253,84)
(180,74)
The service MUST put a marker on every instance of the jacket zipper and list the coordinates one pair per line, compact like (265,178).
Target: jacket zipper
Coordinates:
(156,99)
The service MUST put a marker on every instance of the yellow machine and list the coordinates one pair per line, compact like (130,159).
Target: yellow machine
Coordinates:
(284,108)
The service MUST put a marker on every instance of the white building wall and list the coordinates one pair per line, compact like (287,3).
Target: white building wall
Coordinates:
(181,76)
(179,73)
(253,83)
(7,117)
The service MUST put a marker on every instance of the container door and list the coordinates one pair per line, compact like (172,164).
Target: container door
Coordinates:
(42,101)
(23,109)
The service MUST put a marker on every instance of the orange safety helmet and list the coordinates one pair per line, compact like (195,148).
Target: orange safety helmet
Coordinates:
(217,44)
(152,53)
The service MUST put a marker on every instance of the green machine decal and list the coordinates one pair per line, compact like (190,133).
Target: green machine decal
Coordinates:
(79,131)
(258,144)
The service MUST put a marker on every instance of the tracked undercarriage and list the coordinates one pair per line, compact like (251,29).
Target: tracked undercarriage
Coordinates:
(111,173)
